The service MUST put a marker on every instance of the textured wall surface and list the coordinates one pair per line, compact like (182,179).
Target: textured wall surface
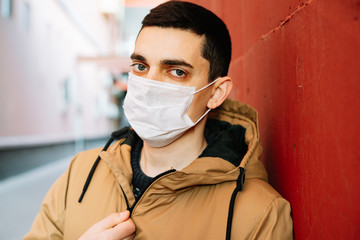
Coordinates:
(298,63)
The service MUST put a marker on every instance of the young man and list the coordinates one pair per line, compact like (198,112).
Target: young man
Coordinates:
(180,172)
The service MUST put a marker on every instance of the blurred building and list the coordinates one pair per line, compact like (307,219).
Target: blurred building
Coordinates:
(59,62)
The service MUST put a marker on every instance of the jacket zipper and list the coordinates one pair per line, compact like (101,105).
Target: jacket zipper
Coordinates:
(152,181)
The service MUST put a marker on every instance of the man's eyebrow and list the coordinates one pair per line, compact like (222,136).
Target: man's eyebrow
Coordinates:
(138,57)
(176,62)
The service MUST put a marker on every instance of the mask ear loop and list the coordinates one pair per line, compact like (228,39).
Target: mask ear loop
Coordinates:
(202,116)
(207,85)
(209,108)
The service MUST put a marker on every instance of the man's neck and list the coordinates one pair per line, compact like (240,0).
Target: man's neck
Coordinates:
(177,155)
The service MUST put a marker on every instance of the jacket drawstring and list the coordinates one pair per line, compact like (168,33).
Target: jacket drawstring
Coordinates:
(239,187)
(126,200)
(115,135)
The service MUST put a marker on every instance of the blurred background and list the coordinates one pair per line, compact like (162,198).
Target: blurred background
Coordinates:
(63,70)
(63,66)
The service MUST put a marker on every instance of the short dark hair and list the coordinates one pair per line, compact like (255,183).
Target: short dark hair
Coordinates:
(189,16)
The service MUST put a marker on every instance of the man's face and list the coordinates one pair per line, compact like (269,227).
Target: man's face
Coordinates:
(174,56)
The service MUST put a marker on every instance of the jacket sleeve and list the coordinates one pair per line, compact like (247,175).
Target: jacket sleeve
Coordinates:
(276,222)
(49,222)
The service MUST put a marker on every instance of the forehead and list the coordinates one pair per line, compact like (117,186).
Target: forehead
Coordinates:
(156,43)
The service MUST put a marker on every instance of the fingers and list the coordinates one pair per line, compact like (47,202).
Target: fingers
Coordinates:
(116,226)
(123,230)
(111,221)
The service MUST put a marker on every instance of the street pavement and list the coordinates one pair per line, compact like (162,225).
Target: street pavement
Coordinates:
(21,197)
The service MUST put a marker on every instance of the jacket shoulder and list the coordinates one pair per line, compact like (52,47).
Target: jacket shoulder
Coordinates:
(263,211)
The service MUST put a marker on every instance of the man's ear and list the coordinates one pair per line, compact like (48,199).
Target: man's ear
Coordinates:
(220,91)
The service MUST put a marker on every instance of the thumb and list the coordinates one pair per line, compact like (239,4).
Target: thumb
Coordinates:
(112,220)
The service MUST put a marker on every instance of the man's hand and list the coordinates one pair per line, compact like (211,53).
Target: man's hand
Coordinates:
(117,226)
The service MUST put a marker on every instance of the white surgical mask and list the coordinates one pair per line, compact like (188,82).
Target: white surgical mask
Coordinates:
(157,111)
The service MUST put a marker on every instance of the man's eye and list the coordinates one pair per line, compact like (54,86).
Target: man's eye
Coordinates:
(139,67)
(178,73)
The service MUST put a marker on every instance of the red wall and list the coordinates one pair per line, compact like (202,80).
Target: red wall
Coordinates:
(298,63)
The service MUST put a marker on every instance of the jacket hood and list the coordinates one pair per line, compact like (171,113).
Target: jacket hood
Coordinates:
(239,115)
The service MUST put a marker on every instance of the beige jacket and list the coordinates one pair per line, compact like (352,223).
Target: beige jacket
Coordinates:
(189,204)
